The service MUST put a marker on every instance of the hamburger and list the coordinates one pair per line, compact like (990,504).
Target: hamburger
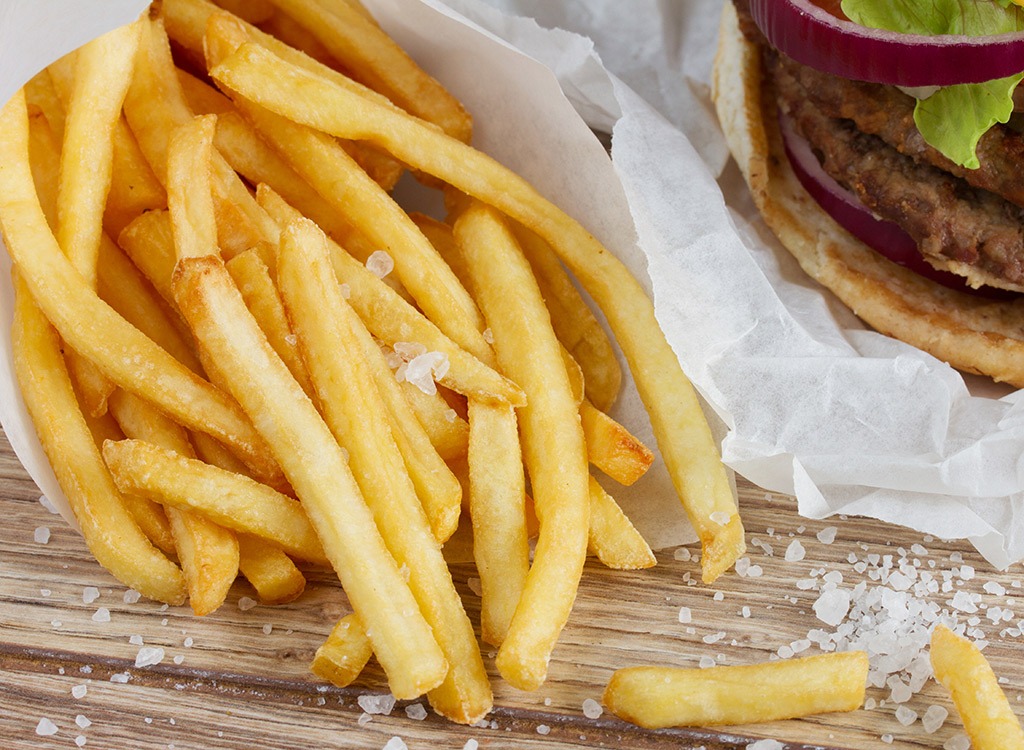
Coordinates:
(883,147)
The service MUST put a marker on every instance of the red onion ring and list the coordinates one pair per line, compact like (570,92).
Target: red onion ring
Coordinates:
(886,238)
(814,37)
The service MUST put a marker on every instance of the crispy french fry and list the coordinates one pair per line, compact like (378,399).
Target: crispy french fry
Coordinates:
(207,552)
(231,500)
(313,462)
(253,11)
(656,697)
(612,448)
(449,433)
(271,572)
(288,30)
(392,319)
(682,431)
(965,672)
(344,654)
(553,446)
(110,532)
(325,326)
(613,538)
(41,95)
(497,495)
(124,354)
(149,242)
(190,189)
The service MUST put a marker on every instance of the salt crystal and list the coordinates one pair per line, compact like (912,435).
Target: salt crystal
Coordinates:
(592,709)
(994,588)
(785,652)
(120,677)
(720,517)
(685,615)
(135,640)
(901,692)
(543,729)
(416,711)
(45,728)
(395,743)
(82,722)
(45,592)
(79,691)
(131,596)
(187,643)
(380,264)
(451,415)
(719,596)
(886,738)
(364,719)
(963,601)
(745,612)
(474,586)
(246,603)
(682,553)
(934,718)
(832,606)
(101,615)
(800,646)
(346,291)
(377,704)
(906,716)
(148,656)
(41,535)
(90,594)
(488,335)
(754,571)
(766,745)
(48,504)
(966,572)
(179,659)
(471,745)
(827,535)
(795,551)
(957,742)
(742,566)
(80,740)
(714,637)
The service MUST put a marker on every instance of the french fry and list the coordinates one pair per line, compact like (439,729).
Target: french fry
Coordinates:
(124,354)
(41,95)
(253,11)
(271,572)
(110,532)
(189,188)
(149,242)
(612,448)
(207,552)
(965,672)
(356,414)
(657,697)
(285,28)
(553,446)
(612,536)
(314,464)
(392,319)
(448,432)
(497,495)
(231,500)
(344,654)
(681,430)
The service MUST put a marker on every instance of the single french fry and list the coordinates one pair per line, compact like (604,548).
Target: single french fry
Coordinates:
(233,501)
(965,672)
(392,319)
(124,354)
(41,95)
(190,189)
(613,538)
(449,433)
(110,532)
(149,242)
(325,326)
(612,448)
(257,287)
(681,430)
(285,28)
(657,697)
(553,446)
(314,464)
(497,496)
(344,654)
(271,572)
(253,11)
(207,552)
(575,324)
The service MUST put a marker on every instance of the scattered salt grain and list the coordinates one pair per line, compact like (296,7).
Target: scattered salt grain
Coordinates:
(41,535)
(906,716)
(957,742)
(488,335)
(543,729)
(377,704)
(592,709)
(886,738)
(713,637)
(246,603)
(45,592)
(416,711)
(424,370)
(148,656)
(135,640)
(754,571)
(80,740)
(934,718)
(267,628)
(966,572)
(179,659)
(380,264)
(451,415)
(82,722)
(90,594)
(795,551)
(685,615)
(994,588)
(471,745)
(79,691)
(101,615)
(474,586)
(395,743)
(827,535)
(720,517)
(766,745)
(745,612)
(48,504)
(45,728)
(706,662)
(120,677)
(364,719)
(131,596)
(719,596)
(346,291)
(187,643)
(832,606)
(682,554)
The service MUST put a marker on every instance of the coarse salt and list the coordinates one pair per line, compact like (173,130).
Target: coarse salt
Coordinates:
(795,551)
(90,594)
(905,716)
(706,662)
(474,586)
(416,711)
(934,718)
(765,745)
(46,728)
(246,603)
(682,554)
(48,504)
(82,722)
(471,744)
(543,729)
(41,535)
(720,517)
(377,704)
(380,264)
(148,656)
(395,743)
(79,691)
(101,615)
(120,677)
(131,596)
(685,615)
(592,709)
(957,742)
(80,740)
(827,535)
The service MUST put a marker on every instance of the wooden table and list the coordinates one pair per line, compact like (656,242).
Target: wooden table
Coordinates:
(243,681)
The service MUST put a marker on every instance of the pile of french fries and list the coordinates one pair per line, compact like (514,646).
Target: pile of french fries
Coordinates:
(198,211)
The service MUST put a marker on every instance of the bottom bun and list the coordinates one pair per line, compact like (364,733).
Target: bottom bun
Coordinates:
(969,332)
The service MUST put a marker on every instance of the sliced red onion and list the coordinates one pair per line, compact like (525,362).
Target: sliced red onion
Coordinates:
(884,237)
(814,37)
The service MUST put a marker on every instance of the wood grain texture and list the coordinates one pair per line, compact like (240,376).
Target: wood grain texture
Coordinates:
(239,686)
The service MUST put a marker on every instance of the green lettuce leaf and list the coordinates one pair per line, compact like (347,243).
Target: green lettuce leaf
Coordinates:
(954,118)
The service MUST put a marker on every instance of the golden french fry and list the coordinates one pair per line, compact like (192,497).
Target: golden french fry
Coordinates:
(110,532)
(361,46)
(124,354)
(149,242)
(497,496)
(657,697)
(391,319)
(314,464)
(344,654)
(681,430)
(448,432)
(271,572)
(965,672)
(612,448)
(207,552)
(285,28)
(613,538)
(189,188)
(553,446)
(41,95)
(325,326)
(253,11)
(233,501)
